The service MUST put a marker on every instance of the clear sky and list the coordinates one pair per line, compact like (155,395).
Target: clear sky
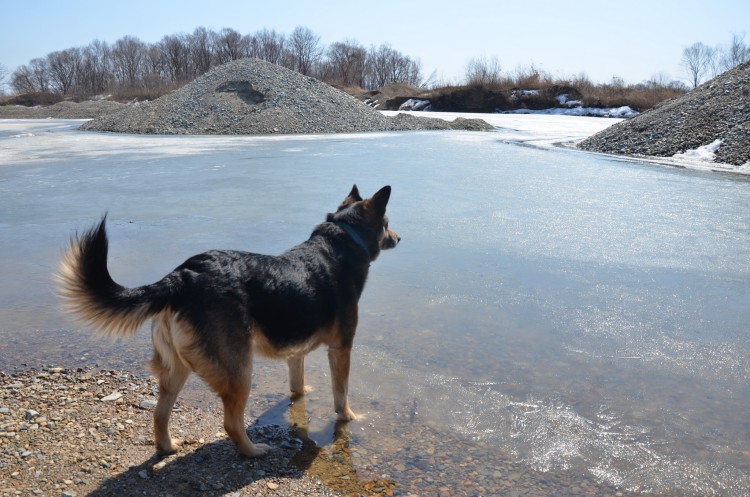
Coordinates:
(634,40)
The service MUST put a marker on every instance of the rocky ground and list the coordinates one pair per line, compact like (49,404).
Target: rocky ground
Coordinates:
(84,432)
(716,110)
(62,110)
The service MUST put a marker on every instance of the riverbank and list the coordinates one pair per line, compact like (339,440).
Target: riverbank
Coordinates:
(73,432)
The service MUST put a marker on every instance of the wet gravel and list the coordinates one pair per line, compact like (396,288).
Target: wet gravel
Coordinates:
(250,96)
(74,432)
(716,110)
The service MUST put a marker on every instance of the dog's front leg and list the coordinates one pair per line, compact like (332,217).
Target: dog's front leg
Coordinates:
(297,376)
(339,360)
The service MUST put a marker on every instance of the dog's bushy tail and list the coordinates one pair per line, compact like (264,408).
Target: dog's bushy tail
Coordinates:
(88,291)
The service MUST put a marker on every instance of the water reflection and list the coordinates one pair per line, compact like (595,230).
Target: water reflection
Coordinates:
(576,313)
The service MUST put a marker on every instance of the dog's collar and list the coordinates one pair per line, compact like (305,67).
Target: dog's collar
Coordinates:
(349,230)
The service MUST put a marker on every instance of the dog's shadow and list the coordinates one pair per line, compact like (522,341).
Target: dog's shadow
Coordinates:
(216,469)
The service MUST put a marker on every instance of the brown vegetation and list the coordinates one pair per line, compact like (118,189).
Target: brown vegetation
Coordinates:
(132,70)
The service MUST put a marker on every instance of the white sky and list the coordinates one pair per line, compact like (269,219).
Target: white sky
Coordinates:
(634,40)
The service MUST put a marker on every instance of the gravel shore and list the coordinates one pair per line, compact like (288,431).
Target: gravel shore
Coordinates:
(83,432)
(716,110)
(250,96)
(62,110)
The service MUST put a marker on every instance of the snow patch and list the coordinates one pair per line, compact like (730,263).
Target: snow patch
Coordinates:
(705,153)
(415,104)
(619,112)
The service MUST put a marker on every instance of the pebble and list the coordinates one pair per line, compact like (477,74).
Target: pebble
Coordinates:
(112,397)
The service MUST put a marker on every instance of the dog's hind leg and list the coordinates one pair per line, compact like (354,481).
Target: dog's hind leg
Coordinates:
(339,360)
(172,378)
(297,376)
(234,389)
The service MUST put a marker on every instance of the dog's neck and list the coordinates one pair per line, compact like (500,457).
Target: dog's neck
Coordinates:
(349,230)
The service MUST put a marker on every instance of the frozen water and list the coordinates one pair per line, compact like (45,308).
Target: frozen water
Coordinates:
(584,312)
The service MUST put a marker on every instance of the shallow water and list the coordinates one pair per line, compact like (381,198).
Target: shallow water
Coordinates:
(561,312)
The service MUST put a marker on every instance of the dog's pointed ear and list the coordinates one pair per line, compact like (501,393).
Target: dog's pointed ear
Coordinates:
(353,196)
(380,200)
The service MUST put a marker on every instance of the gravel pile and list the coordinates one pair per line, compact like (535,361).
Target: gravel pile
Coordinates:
(716,110)
(250,96)
(61,110)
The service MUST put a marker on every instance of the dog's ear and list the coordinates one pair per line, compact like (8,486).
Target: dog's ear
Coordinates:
(353,196)
(380,200)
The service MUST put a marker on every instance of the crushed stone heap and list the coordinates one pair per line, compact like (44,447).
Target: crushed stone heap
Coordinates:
(251,96)
(717,110)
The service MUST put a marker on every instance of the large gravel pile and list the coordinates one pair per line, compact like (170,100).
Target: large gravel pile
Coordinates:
(716,110)
(250,96)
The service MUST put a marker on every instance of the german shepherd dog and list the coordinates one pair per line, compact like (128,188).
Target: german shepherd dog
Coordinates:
(212,313)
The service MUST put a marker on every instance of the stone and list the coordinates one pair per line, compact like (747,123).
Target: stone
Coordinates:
(112,397)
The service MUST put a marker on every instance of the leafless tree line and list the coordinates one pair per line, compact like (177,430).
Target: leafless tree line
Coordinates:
(130,64)
(699,61)
(702,62)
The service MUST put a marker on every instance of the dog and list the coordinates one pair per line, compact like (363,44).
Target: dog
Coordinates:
(216,310)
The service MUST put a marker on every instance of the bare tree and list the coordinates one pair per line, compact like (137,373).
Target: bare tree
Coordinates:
(230,45)
(386,65)
(268,45)
(154,67)
(176,52)
(95,74)
(4,73)
(304,50)
(63,69)
(346,63)
(737,52)
(201,44)
(32,78)
(696,60)
(483,72)
(128,54)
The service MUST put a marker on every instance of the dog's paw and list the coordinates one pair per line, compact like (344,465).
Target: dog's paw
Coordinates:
(347,415)
(169,448)
(305,390)
(257,450)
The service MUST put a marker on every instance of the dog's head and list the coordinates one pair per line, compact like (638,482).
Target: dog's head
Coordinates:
(368,215)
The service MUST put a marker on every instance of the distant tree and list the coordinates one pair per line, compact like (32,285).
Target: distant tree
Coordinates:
(736,53)
(176,53)
(32,78)
(201,47)
(483,72)
(346,63)
(230,45)
(154,67)
(696,62)
(304,50)
(269,46)
(128,55)
(95,72)
(386,65)
(63,69)
(4,73)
